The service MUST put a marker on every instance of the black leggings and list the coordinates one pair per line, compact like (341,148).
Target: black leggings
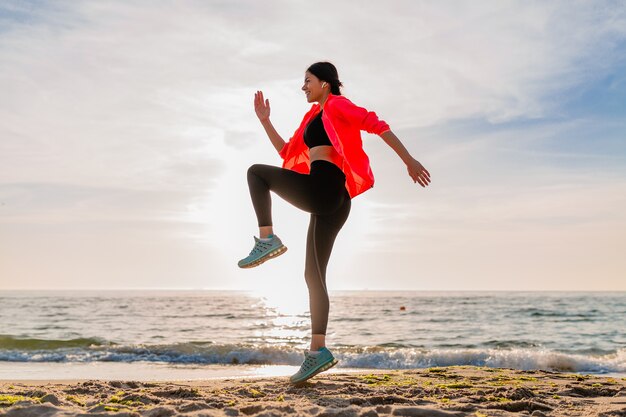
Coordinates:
(323,194)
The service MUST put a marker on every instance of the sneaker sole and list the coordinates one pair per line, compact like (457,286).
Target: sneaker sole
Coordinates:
(322,369)
(273,254)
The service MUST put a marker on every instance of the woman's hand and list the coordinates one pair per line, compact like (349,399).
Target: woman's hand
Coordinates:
(261,108)
(418,172)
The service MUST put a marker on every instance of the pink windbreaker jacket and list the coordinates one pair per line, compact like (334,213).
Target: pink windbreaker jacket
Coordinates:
(343,122)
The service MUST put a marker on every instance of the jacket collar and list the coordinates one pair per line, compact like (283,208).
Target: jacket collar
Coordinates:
(330,98)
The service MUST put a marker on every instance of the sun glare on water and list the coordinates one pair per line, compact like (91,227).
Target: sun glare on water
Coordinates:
(287,310)
(283,300)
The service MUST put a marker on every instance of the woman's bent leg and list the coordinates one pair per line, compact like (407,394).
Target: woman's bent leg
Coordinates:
(323,230)
(290,185)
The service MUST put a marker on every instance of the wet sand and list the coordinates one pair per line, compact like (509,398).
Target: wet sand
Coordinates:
(432,392)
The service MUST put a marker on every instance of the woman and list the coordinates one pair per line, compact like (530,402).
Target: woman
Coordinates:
(324,167)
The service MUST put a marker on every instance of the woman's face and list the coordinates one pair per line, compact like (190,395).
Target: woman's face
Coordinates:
(313,87)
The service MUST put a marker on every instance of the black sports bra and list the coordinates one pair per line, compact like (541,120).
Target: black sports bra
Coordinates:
(314,133)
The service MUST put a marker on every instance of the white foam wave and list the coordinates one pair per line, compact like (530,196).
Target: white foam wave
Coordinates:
(379,357)
(516,358)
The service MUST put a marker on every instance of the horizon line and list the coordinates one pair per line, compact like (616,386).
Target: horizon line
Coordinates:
(330,291)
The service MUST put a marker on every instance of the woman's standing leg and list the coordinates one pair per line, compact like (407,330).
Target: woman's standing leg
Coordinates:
(323,230)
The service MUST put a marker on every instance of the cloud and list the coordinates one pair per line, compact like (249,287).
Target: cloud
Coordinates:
(46,203)
(137,113)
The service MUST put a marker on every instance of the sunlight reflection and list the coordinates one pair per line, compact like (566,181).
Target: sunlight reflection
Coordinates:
(287,310)
(290,336)
(286,301)
(275,370)
(286,370)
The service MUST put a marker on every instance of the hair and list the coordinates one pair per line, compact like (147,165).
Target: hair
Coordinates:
(326,71)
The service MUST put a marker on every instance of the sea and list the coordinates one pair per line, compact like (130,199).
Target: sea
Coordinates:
(209,334)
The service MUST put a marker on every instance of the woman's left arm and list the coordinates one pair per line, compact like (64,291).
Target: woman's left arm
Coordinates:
(416,170)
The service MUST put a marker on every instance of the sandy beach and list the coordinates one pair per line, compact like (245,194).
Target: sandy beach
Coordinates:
(441,391)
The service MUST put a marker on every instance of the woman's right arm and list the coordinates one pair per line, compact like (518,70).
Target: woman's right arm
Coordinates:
(262,109)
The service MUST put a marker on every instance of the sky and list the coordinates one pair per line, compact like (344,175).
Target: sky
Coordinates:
(126,129)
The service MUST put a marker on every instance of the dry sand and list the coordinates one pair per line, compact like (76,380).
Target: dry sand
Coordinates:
(432,392)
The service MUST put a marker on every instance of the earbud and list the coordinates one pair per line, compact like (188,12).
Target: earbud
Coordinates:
(323,85)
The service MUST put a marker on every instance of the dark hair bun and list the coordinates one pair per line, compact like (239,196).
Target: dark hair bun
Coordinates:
(326,71)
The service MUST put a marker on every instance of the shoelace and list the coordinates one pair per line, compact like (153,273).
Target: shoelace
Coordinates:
(260,246)
(309,361)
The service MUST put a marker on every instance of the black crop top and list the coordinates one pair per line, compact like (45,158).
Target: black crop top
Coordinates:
(314,133)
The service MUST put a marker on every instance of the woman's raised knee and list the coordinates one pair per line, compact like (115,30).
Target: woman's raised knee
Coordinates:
(258,169)
(253,168)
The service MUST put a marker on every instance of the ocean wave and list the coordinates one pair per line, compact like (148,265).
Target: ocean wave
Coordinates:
(535,312)
(384,356)
(496,343)
(515,358)
(28,344)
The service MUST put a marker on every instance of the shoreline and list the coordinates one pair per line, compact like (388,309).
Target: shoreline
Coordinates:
(74,372)
(144,371)
(439,391)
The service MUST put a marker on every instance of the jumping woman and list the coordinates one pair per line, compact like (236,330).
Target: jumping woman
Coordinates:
(324,167)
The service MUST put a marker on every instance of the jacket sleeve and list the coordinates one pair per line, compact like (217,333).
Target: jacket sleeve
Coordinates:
(285,151)
(365,119)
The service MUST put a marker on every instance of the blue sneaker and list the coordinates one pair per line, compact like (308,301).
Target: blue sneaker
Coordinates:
(313,365)
(262,251)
